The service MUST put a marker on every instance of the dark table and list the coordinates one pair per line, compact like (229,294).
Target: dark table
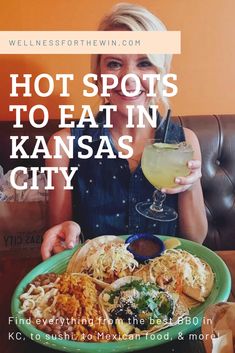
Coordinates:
(15,264)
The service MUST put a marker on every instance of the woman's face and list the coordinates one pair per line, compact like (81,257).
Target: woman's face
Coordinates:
(120,65)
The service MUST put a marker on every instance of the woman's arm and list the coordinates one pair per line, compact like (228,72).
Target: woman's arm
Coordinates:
(64,232)
(191,208)
(192,214)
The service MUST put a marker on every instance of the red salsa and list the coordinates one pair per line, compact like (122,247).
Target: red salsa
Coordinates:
(145,247)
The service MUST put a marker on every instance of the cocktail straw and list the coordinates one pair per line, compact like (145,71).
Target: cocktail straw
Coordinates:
(168,117)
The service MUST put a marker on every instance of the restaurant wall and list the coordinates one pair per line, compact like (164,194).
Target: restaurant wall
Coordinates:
(205,68)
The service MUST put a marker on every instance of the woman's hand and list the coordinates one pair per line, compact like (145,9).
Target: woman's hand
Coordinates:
(187,182)
(60,237)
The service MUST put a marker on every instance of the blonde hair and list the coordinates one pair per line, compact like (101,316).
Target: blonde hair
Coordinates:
(136,18)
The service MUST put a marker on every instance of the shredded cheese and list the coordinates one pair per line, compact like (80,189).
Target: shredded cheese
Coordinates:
(108,261)
(175,265)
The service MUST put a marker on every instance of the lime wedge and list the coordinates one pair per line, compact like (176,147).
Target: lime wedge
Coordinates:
(166,146)
(172,243)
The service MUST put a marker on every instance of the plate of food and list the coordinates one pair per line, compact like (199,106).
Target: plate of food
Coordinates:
(99,297)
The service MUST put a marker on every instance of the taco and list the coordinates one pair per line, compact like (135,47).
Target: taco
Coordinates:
(133,306)
(104,258)
(200,282)
(181,272)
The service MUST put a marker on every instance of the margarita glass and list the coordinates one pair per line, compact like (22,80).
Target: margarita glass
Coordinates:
(161,164)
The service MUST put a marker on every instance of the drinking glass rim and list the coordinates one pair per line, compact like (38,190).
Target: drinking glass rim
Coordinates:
(187,146)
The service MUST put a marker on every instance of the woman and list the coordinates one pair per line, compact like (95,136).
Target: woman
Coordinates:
(106,191)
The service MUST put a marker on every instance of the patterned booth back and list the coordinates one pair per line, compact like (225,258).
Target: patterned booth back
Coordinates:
(216,134)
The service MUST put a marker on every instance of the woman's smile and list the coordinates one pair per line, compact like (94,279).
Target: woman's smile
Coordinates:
(128,98)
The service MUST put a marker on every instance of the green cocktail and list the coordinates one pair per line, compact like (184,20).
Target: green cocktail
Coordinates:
(161,164)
